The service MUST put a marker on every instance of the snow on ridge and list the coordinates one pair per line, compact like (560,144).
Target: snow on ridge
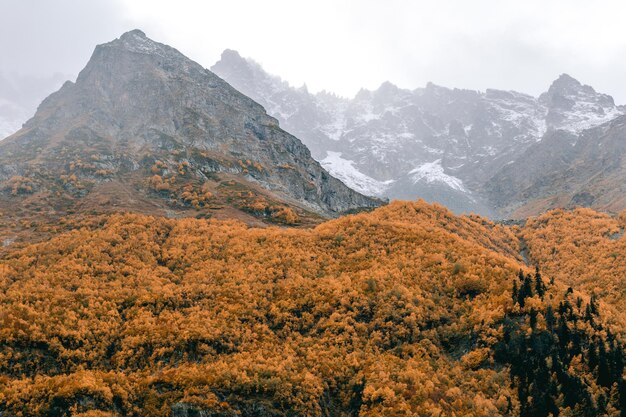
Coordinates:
(584,116)
(336,110)
(335,129)
(344,170)
(523,112)
(589,110)
(395,129)
(432,172)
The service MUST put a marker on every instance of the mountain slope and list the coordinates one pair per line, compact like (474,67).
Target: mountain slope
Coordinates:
(582,248)
(407,310)
(454,140)
(144,127)
(566,170)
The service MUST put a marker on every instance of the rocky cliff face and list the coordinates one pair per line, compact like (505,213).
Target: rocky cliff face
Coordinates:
(141,113)
(566,170)
(434,142)
(574,107)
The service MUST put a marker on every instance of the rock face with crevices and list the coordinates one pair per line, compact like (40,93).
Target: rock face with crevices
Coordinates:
(139,109)
(453,146)
(566,170)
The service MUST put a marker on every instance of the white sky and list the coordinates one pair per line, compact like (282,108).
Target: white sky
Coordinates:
(341,45)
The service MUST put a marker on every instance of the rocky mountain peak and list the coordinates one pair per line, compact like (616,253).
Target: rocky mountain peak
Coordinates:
(231,57)
(387,87)
(565,82)
(386,92)
(238,67)
(574,106)
(438,143)
(141,108)
(567,89)
(247,76)
(134,32)
(134,35)
(137,41)
(434,89)
(363,94)
(132,57)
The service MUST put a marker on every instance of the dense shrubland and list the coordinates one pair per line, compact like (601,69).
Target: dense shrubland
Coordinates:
(408,310)
(582,248)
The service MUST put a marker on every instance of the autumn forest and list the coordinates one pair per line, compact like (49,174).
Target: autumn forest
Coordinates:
(185,233)
(408,310)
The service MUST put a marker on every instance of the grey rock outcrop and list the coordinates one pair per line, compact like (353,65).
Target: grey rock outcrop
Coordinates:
(438,143)
(137,100)
(566,170)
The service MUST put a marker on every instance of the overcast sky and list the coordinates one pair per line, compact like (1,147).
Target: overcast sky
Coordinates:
(342,46)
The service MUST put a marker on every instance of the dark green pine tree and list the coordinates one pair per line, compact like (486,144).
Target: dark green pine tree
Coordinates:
(525,291)
(533,318)
(604,370)
(592,355)
(515,292)
(579,303)
(593,304)
(540,287)
(550,319)
(542,404)
(588,314)
(564,337)
(617,361)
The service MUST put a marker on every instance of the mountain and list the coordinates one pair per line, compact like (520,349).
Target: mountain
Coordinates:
(434,142)
(566,170)
(575,107)
(582,248)
(145,128)
(405,310)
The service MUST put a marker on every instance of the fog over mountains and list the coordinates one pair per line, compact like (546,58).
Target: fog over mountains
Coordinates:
(177,241)
(446,145)
(19,97)
(497,153)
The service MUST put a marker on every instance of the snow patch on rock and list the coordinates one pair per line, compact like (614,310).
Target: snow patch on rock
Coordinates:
(433,172)
(344,170)
(586,115)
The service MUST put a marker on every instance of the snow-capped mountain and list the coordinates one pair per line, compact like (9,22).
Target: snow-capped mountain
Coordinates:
(575,107)
(565,170)
(436,143)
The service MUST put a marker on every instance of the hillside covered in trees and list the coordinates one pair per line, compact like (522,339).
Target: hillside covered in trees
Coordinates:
(582,248)
(405,311)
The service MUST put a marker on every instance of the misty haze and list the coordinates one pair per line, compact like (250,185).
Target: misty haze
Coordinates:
(312,208)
